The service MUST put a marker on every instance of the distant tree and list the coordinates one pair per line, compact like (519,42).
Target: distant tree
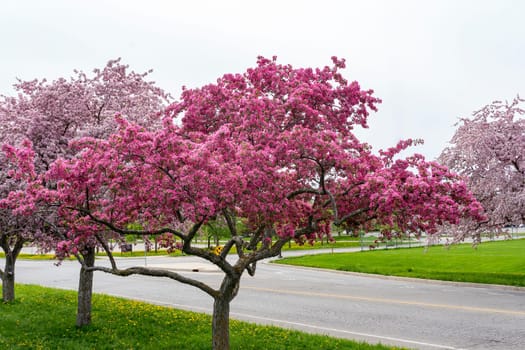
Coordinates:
(488,150)
(16,173)
(50,115)
(273,146)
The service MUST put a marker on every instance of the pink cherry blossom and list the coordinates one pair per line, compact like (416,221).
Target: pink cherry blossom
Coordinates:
(35,129)
(488,151)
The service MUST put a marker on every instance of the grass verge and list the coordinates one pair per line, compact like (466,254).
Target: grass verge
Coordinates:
(499,262)
(44,318)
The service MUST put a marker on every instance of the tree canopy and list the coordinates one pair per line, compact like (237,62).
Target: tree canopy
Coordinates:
(36,127)
(488,150)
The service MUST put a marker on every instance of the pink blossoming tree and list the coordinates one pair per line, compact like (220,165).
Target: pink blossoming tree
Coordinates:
(16,174)
(489,151)
(49,115)
(273,147)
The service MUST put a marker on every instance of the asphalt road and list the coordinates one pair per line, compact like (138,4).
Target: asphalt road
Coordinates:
(407,313)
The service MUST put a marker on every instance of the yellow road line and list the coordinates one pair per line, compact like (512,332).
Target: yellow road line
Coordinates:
(389,301)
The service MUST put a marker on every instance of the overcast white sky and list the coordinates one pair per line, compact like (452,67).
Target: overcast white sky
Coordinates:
(430,61)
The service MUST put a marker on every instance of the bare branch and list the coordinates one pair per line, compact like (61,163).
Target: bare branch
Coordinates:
(256,238)
(205,253)
(138,270)
(334,204)
(238,242)
(19,244)
(230,221)
(193,231)
(351,214)
(107,250)
(269,252)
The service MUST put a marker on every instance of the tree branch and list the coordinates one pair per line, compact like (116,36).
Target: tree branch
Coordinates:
(349,215)
(121,231)
(334,205)
(274,250)
(302,191)
(145,271)
(165,171)
(230,221)
(107,250)
(251,268)
(238,242)
(19,244)
(204,253)
(256,238)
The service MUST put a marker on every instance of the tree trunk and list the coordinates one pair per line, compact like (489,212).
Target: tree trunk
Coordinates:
(221,324)
(8,276)
(85,290)
(8,279)
(221,313)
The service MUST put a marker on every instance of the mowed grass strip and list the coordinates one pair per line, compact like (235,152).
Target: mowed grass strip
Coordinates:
(44,318)
(499,262)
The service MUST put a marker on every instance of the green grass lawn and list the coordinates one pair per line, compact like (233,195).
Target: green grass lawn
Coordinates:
(44,318)
(322,245)
(499,262)
(347,241)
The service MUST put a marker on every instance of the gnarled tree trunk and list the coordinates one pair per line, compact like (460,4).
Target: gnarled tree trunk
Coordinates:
(85,289)
(221,313)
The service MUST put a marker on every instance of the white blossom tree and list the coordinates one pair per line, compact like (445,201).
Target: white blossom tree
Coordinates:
(489,151)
